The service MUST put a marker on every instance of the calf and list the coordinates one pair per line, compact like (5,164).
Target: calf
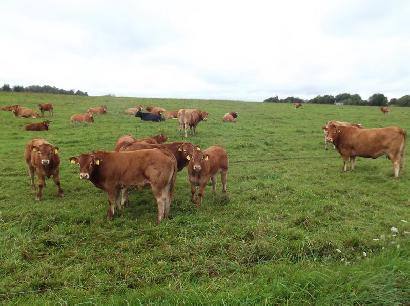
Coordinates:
(338,123)
(38,126)
(42,159)
(204,166)
(46,107)
(99,110)
(352,141)
(189,118)
(87,117)
(385,110)
(230,117)
(24,112)
(149,117)
(115,172)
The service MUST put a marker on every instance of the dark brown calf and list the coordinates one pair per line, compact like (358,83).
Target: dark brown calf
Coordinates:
(46,107)
(42,159)
(38,126)
(115,172)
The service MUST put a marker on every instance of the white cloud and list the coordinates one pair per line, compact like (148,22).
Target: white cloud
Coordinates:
(208,49)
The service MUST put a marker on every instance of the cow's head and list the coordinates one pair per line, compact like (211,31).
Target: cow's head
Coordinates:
(161,138)
(46,123)
(234,114)
(89,117)
(87,162)
(194,155)
(45,153)
(104,108)
(332,132)
(203,115)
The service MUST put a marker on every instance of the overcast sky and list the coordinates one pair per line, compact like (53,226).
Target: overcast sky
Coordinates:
(247,50)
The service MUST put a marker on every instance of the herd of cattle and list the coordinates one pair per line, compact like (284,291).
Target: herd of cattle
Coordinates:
(135,163)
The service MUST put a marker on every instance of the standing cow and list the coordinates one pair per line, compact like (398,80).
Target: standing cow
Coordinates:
(46,107)
(352,141)
(385,110)
(189,118)
(42,159)
(297,104)
(115,172)
(337,123)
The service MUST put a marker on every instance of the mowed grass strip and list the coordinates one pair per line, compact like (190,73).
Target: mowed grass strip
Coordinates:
(292,229)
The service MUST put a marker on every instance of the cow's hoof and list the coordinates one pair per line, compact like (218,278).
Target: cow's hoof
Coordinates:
(60,194)
(38,199)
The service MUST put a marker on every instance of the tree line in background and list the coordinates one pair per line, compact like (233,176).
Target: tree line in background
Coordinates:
(377,99)
(42,89)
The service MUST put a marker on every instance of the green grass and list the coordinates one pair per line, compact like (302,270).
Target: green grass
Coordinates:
(292,229)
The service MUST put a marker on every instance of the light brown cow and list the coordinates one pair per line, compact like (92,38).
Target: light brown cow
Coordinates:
(155,110)
(230,117)
(24,112)
(171,114)
(337,123)
(189,118)
(127,140)
(297,104)
(46,107)
(9,108)
(385,110)
(42,159)
(133,110)
(98,110)
(87,117)
(204,166)
(38,126)
(352,141)
(115,172)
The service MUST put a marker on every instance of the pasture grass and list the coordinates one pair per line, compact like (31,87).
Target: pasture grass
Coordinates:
(293,229)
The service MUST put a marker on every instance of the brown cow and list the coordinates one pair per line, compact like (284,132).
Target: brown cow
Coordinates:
(9,108)
(98,110)
(189,118)
(87,117)
(155,110)
(230,117)
(115,172)
(204,166)
(338,123)
(133,110)
(46,107)
(42,158)
(24,112)
(171,114)
(297,104)
(38,126)
(385,110)
(178,149)
(352,141)
(126,140)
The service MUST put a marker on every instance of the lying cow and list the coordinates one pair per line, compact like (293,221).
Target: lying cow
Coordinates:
(352,141)
(87,118)
(338,123)
(171,115)
(230,117)
(9,108)
(42,159)
(38,126)
(127,140)
(204,166)
(189,118)
(115,172)
(149,117)
(297,104)
(99,110)
(133,110)
(385,110)
(155,110)
(46,107)
(24,112)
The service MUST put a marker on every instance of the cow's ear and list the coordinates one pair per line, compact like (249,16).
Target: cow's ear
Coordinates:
(338,131)
(206,157)
(180,149)
(188,157)
(56,150)
(98,161)
(73,160)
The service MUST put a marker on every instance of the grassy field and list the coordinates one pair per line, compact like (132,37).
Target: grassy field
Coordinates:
(293,229)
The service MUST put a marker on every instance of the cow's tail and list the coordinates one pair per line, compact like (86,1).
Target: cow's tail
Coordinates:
(403,148)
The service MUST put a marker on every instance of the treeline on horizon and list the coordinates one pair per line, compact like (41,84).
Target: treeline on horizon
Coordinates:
(376,99)
(42,89)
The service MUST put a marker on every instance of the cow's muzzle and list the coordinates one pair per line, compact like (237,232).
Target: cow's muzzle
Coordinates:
(197,167)
(84,176)
(45,161)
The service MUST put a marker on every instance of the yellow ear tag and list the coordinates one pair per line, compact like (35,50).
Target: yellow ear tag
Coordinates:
(206,157)
(35,149)
(97,162)
(188,157)
(55,151)
(72,161)
(179,149)
(198,149)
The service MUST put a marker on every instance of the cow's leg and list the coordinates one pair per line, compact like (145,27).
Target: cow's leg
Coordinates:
(345,162)
(41,183)
(193,191)
(201,194)
(186,130)
(161,197)
(112,196)
(56,179)
(352,162)
(224,176)
(213,180)
(124,197)
(396,167)
(31,174)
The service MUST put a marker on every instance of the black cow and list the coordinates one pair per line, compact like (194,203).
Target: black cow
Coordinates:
(149,116)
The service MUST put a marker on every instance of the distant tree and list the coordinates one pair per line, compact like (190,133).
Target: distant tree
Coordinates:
(18,88)
(378,99)
(292,100)
(393,101)
(349,99)
(404,101)
(6,87)
(326,99)
(274,99)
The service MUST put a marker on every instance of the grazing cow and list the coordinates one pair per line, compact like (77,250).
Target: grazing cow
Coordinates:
(149,117)
(115,172)
(133,110)
(156,110)
(230,117)
(171,114)
(42,159)
(87,117)
(46,107)
(385,110)
(24,112)
(189,118)
(352,141)
(38,126)
(297,104)
(178,149)
(9,108)
(338,123)
(204,166)
(127,140)
(98,110)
